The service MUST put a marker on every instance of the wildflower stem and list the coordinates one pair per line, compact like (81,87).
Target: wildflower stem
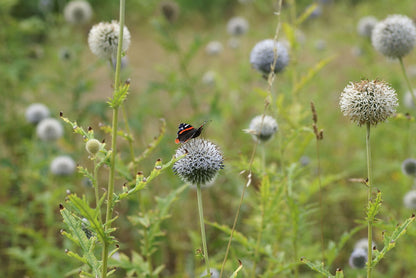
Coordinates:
(109,211)
(409,85)
(95,185)
(201,221)
(320,200)
(369,188)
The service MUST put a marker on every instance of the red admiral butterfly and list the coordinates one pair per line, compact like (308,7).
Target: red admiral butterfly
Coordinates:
(187,132)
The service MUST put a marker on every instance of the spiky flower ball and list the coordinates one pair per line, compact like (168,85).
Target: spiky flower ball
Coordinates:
(409,167)
(214,48)
(358,258)
(78,12)
(36,112)
(49,129)
(409,199)
(363,244)
(262,56)
(103,39)
(262,129)
(395,36)
(366,25)
(201,164)
(368,102)
(63,166)
(237,26)
(93,146)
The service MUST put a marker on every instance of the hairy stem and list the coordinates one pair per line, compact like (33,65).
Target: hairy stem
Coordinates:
(201,221)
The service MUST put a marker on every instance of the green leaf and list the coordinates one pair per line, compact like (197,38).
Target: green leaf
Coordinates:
(305,15)
(152,144)
(374,207)
(318,267)
(119,96)
(234,275)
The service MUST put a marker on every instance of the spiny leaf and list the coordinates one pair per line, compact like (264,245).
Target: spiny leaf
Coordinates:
(374,207)
(119,96)
(318,267)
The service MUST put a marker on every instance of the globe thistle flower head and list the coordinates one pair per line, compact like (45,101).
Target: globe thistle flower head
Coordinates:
(261,129)
(103,39)
(49,129)
(237,26)
(409,199)
(395,36)
(214,273)
(358,258)
(408,99)
(201,164)
(63,166)
(369,102)
(93,146)
(363,244)
(169,10)
(409,167)
(214,48)
(262,56)
(366,25)
(36,112)
(78,12)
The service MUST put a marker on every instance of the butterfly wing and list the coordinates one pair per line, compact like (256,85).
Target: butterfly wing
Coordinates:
(185,132)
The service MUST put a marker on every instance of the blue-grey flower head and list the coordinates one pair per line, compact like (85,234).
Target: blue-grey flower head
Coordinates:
(63,166)
(49,129)
(78,12)
(262,56)
(262,129)
(237,26)
(409,167)
(368,102)
(363,244)
(395,36)
(36,112)
(358,258)
(409,199)
(103,39)
(201,164)
(366,25)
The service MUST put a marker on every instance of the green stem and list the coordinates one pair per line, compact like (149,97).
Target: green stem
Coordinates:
(318,157)
(409,85)
(109,211)
(201,221)
(369,189)
(97,194)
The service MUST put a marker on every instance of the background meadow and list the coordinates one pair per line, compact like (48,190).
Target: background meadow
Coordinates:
(174,79)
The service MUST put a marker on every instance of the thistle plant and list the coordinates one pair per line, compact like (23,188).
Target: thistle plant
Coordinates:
(369,103)
(36,112)
(200,166)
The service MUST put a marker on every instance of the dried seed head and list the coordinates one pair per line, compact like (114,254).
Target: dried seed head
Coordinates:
(103,39)
(368,102)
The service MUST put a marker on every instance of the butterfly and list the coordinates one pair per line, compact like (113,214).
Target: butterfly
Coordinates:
(187,132)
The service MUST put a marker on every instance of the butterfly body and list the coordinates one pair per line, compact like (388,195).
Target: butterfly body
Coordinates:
(187,132)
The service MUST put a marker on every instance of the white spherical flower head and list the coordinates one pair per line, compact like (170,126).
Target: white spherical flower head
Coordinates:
(209,78)
(408,99)
(78,12)
(49,129)
(201,164)
(262,56)
(63,166)
(358,258)
(36,112)
(103,39)
(366,25)
(237,26)
(363,244)
(369,102)
(409,199)
(263,129)
(214,273)
(395,36)
(409,167)
(214,48)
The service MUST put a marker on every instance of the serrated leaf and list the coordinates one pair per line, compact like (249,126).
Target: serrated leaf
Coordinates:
(318,267)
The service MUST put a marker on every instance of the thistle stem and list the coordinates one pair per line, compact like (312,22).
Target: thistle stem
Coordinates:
(369,189)
(201,221)
(409,85)
(109,211)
